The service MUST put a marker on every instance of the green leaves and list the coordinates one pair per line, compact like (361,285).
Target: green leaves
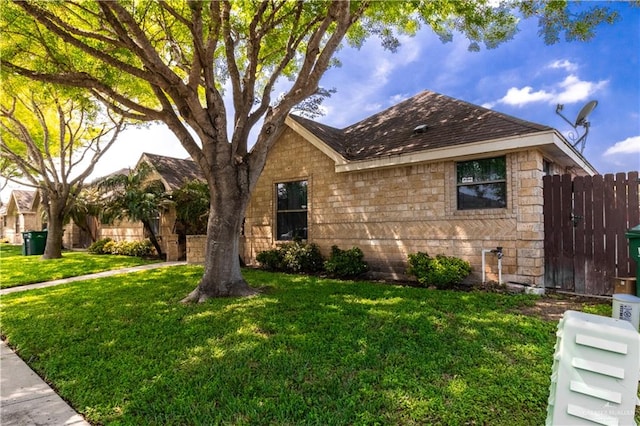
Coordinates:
(192,202)
(135,196)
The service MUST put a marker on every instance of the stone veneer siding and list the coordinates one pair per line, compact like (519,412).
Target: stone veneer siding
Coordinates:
(392,212)
(196,245)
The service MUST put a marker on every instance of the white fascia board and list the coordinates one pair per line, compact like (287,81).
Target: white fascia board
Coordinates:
(315,141)
(561,143)
(460,152)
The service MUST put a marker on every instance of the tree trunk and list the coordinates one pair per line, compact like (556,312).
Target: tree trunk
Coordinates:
(152,237)
(55,223)
(222,276)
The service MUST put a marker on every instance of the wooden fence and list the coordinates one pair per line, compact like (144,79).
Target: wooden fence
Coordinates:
(585,220)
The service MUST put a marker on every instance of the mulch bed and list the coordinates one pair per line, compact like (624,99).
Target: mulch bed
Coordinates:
(551,306)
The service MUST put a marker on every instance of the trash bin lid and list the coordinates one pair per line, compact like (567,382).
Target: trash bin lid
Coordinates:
(621,297)
(633,232)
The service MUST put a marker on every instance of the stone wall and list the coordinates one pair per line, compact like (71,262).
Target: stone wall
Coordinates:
(196,248)
(123,231)
(392,212)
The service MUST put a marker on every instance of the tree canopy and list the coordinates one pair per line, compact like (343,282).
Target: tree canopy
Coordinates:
(50,139)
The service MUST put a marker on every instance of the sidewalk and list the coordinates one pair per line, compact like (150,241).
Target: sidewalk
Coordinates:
(26,399)
(90,276)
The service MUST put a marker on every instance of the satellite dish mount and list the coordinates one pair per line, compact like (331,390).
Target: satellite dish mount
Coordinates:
(581,121)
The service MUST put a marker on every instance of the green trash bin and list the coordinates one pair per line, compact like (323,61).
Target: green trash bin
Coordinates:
(633,235)
(33,242)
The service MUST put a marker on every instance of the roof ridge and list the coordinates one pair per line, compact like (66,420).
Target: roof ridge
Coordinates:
(445,121)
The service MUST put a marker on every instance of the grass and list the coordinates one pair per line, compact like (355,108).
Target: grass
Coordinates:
(16,269)
(124,351)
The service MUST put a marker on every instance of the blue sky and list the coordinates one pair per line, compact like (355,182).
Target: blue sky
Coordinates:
(522,77)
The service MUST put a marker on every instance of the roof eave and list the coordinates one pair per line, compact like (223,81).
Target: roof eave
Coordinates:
(549,141)
(144,157)
(571,155)
(316,142)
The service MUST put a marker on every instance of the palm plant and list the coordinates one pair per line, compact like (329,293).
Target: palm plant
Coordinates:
(136,197)
(192,201)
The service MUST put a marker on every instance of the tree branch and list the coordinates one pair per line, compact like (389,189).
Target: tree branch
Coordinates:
(55,25)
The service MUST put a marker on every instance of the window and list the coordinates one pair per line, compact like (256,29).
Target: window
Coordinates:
(291,210)
(482,184)
(17,224)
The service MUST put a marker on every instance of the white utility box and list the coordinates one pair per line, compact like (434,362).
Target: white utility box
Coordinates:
(595,373)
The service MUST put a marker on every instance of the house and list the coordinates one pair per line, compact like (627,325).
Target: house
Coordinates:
(172,173)
(432,174)
(22,213)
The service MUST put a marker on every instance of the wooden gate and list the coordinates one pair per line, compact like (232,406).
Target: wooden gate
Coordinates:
(585,220)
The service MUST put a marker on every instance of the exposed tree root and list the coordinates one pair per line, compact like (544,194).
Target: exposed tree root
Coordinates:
(234,289)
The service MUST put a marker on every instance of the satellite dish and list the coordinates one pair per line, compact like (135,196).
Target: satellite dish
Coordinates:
(581,120)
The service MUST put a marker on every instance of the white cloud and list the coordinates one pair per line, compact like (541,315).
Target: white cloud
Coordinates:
(372,107)
(568,91)
(575,90)
(564,64)
(399,97)
(526,95)
(630,145)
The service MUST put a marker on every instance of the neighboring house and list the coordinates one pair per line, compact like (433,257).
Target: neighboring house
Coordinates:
(173,173)
(431,174)
(25,212)
(22,213)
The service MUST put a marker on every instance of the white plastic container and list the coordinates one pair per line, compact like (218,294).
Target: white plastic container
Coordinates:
(595,373)
(627,308)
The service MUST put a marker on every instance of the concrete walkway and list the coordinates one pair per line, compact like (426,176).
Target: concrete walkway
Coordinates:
(26,399)
(90,276)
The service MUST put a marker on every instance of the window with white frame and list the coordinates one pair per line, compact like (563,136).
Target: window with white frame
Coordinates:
(291,215)
(482,184)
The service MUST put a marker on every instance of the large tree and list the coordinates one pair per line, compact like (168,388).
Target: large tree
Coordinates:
(175,61)
(50,140)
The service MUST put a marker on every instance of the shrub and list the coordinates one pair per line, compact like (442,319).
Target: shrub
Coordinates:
(299,257)
(441,271)
(292,257)
(134,248)
(124,248)
(98,246)
(346,263)
(271,259)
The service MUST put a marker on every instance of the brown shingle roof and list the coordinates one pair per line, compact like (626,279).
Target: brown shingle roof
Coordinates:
(24,199)
(174,171)
(391,132)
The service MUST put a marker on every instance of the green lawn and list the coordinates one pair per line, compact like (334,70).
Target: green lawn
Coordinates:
(124,351)
(16,269)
